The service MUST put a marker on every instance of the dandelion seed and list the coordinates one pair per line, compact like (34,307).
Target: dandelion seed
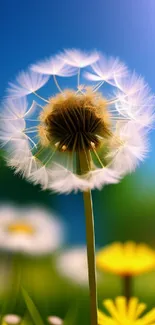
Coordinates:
(107,69)
(27,83)
(79,59)
(53,66)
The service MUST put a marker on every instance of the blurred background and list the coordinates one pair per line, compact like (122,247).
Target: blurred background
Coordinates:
(31,30)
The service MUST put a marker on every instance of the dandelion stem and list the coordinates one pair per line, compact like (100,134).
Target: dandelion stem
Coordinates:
(84,164)
(127,279)
(91,254)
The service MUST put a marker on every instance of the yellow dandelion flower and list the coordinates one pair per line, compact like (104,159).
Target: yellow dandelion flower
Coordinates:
(122,312)
(126,259)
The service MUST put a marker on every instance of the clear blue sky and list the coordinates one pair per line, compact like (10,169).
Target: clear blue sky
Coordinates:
(33,29)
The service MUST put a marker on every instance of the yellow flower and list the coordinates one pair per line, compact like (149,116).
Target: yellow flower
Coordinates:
(126,259)
(125,313)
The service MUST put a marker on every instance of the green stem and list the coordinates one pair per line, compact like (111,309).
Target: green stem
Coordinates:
(91,255)
(12,296)
(84,164)
(127,286)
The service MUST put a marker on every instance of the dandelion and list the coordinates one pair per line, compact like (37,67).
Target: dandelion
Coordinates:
(127,260)
(77,139)
(123,312)
(81,138)
(29,230)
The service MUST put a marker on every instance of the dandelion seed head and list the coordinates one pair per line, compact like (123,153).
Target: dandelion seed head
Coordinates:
(105,124)
(75,122)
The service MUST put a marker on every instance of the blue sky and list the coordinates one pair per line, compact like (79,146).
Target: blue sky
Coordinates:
(34,29)
(31,29)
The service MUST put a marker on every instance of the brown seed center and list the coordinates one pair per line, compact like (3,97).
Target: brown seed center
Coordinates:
(74,122)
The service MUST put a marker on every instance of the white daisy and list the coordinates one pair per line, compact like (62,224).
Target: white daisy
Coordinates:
(29,230)
(72,264)
(80,139)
